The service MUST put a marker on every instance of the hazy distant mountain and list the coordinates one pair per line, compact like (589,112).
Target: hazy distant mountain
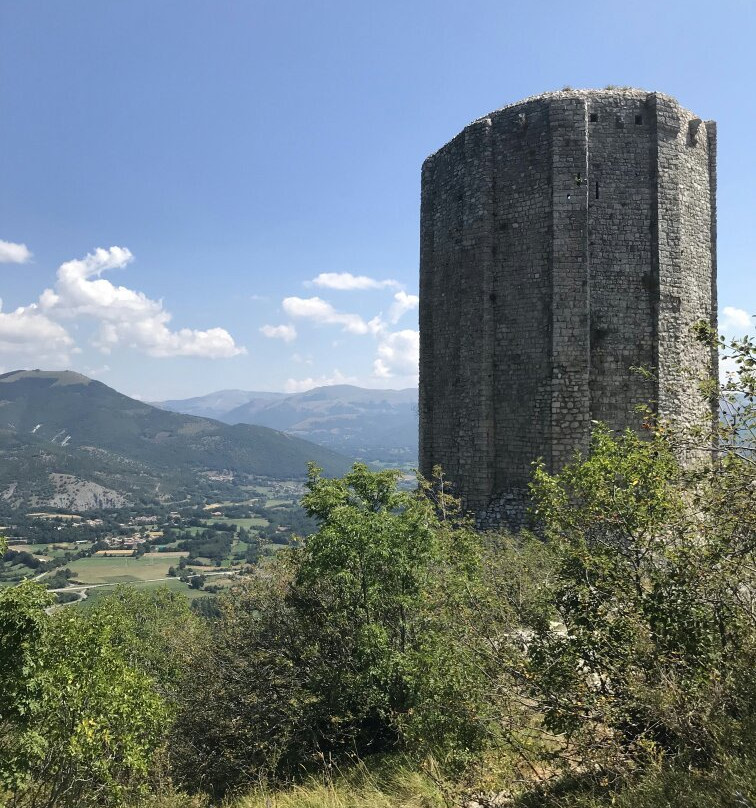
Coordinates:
(62,423)
(373,424)
(214,405)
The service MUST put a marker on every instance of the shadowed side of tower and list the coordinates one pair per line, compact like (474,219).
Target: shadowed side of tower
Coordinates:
(564,240)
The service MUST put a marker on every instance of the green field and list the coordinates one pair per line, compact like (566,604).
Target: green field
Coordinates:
(97,593)
(193,530)
(124,569)
(247,523)
(55,550)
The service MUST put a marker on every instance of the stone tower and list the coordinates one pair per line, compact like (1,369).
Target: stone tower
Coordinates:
(564,240)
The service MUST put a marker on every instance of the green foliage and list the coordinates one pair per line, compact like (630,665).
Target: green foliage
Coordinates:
(610,655)
(394,573)
(358,633)
(653,591)
(22,626)
(84,714)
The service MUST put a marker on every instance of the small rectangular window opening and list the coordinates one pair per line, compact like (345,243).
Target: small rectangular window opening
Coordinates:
(597,189)
(638,120)
(594,117)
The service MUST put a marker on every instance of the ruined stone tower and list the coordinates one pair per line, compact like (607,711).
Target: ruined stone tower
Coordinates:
(564,240)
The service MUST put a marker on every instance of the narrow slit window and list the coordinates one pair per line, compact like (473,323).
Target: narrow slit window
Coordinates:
(597,189)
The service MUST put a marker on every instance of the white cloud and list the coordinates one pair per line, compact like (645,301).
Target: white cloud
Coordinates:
(127,317)
(736,321)
(733,322)
(322,312)
(27,334)
(285,332)
(346,282)
(97,371)
(302,385)
(402,304)
(11,253)
(376,325)
(398,354)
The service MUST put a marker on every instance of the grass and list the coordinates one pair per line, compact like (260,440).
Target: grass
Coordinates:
(394,783)
(385,786)
(97,593)
(245,522)
(731,784)
(111,570)
(59,548)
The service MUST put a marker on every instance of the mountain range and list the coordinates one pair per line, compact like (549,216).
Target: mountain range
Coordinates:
(69,440)
(359,422)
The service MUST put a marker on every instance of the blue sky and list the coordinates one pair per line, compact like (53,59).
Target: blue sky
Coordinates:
(244,158)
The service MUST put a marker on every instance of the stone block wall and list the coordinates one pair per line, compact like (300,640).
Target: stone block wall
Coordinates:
(564,240)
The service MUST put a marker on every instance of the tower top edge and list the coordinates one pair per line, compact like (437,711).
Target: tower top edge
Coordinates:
(610,93)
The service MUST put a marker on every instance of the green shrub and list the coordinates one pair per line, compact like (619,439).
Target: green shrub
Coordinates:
(354,643)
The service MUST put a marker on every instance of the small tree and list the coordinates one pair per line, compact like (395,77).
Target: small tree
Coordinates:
(655,588)
(86,710)
(352,643)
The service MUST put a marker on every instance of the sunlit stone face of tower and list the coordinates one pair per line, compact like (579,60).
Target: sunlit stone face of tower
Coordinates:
(565,240)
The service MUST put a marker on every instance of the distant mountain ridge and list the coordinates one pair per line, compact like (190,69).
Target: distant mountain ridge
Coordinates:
(214,405)
(361,422)
(63,423)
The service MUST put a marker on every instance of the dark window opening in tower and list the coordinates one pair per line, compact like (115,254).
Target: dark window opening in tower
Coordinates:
(638,120)
(594,117)
(597,189)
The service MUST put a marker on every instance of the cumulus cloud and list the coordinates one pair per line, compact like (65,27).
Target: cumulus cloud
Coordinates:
(126,317)
(402,304)
(736,321)
(11,253)
(302,385)
(285,332)
(346,282)
(398,354)
(27,334)
(322,312)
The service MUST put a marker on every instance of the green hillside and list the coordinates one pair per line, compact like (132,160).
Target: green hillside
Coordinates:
(65,423)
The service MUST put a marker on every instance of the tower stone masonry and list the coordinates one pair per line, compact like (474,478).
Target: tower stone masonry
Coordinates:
(565,240)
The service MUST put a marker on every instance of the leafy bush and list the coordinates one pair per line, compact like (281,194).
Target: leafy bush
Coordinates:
(86,696)
(654,591)
(350,644)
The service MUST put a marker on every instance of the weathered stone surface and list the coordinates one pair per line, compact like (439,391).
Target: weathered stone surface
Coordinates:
(564,240)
